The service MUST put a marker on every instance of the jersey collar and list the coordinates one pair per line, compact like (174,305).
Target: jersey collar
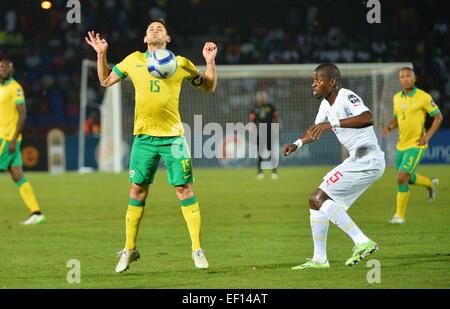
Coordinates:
(147,54)
(8,81)
(339,94)
(411,93)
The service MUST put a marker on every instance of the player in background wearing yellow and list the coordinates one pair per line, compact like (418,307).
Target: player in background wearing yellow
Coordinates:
(158,130)
(12,121)
(411,105)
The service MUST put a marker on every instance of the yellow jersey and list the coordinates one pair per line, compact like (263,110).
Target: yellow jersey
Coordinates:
(411,111)
(156,100)
(11,94)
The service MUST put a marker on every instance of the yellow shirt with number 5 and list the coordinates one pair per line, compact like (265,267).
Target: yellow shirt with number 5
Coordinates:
(411,111)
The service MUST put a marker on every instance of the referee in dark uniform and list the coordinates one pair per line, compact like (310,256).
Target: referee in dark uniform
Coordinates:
(264,112)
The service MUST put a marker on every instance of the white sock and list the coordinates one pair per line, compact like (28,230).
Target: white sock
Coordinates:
(336,213)
(319,228)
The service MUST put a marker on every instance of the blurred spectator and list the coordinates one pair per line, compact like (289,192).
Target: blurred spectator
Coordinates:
(11,21)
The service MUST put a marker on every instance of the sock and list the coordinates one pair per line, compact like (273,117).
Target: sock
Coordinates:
(337,214)
(319,228)
(402,200)
(27,194)
(191,213)
(419,180)
(135,212)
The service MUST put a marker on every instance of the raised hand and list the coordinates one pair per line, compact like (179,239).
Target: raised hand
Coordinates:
(209,51)
(100,45)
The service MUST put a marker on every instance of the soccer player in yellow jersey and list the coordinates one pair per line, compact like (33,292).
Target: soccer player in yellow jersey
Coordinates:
(12,121)
(158,132)
(411,105)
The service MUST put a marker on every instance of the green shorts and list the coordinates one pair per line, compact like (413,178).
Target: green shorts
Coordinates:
(7,159)
(408,160)
(145,155)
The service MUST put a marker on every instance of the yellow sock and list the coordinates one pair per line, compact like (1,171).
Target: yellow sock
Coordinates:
(191,213)
(402,201)
(132,221)
(423,181)
(27,194)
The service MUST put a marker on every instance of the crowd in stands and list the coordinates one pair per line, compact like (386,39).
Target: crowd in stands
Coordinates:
(47,50)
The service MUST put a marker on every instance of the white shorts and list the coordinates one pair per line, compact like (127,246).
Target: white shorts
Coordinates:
(347,181)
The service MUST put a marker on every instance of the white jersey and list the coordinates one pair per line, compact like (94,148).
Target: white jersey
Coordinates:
(348,104)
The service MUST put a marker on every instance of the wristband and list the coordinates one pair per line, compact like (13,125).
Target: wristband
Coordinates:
(298,143)
(335,123)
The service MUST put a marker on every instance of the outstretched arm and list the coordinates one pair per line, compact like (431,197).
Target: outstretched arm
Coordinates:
(106,76)
(314,132)
(304,139)
(210,75)
(363,120)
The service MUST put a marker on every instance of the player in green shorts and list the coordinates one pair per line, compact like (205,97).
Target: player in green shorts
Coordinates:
(158,131)
(12,120)
(411,105)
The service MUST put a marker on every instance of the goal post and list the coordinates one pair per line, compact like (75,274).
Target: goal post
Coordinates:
(108,103)
(288,88)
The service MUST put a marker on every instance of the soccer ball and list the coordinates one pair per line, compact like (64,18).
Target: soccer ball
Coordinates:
(162,63)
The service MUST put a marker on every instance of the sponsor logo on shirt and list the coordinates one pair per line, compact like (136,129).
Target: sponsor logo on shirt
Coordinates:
(354,99)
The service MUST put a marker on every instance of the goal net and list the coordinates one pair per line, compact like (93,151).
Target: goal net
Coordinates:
(289,90)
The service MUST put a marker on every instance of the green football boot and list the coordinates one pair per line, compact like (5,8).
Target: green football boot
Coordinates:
(312,264)
(361,251)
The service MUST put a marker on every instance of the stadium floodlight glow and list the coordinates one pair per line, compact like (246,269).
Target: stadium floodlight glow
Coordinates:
(46,5)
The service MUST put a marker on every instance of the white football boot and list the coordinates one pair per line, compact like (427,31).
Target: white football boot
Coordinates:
(433,190)
(34,219)
(199,258)
(126,257)
(397,220)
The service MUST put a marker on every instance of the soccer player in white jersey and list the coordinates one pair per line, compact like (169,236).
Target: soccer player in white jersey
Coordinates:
(344,112)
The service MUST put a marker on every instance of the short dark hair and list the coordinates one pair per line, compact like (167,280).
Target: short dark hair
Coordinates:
(330,70)
(161,21)
(7,60)
(407,69)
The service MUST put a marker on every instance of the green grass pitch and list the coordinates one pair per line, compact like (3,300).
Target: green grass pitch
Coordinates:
(253,232)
